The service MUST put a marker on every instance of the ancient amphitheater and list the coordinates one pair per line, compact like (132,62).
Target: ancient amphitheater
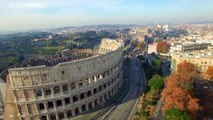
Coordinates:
(64,85)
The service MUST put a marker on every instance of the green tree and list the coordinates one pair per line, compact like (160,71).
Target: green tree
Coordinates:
(156,82)
(175,114)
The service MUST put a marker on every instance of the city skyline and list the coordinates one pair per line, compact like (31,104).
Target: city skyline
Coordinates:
(19,15)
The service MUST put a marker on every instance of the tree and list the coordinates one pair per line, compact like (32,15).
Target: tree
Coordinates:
(156,82)
(186,69)
(209,73)
(139,46)
(178,90)
(176,114)
(163,47)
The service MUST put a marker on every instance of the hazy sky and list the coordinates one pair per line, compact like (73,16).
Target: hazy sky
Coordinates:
(22,14)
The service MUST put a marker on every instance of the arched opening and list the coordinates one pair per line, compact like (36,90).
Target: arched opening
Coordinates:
(108,83)
(52,117)
(44,117)
(100,88)
(69,113)
(41,106)
(76,111)
(96,102)
(48,92)
(50,105)
(61,115)
(88,93)
(65,88)
(67,101)
(82,96)
(95,90)
(56,89)
(75,98)
(105,85)
(90,105)
(73,86)
(58,103)
(38,93)
(83,108)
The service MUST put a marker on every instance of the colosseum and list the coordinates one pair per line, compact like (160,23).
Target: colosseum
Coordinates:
(64,85)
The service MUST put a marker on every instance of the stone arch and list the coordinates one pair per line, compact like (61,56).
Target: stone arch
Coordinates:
(96,102)
(90,105)
(83,108)
(44,117)
(41,106)
(69,113)
(108,83)
(56,89)
(77,111)
(89,93)
(95,90)
(50,105)
(48,92)
(52,117)
(58,103)
(67,101)
(61,115)
(100,88)
(82,96)
(105,85)
(75,98)
(65,88)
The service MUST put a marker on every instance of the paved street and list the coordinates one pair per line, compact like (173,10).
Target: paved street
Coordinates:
(125,109)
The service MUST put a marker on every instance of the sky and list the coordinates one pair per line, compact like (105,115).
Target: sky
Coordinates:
(36,14)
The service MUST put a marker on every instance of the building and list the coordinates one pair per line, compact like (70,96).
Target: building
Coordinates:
(189,46)
(152,48)
(64,85)
(201,59)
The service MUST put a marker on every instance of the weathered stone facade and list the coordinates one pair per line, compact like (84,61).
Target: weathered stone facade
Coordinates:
(66,89)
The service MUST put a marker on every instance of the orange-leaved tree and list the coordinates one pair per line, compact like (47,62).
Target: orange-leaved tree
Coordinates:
(177,92)
(209,73)
(163,47)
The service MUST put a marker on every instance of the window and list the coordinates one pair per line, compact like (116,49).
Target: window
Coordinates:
(88,93)
(56,89)
(80,84)
(73,86)
(41,106)
(48,92)
(38,93)
(82,96)
(50,105)
(62,72)
(58,103)
(67,101)
(65,88)
(75,98)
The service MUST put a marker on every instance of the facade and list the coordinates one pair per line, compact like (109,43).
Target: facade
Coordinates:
(64,88)
(201,59)
(182,47)
(152,48)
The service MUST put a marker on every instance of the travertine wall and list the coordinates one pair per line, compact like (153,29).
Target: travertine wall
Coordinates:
(64,90)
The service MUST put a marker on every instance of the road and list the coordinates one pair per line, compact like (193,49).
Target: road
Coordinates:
(125,109)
